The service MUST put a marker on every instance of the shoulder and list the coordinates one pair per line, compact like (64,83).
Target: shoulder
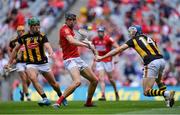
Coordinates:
(95,38)
(130,42)
(25,34)
(142,35)
(63,27)
(42,34)
(108,38)
(14,39)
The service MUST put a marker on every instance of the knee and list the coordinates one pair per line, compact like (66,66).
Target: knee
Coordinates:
(101,79)
(54,84)
(33,79)
(77,83)
(94,82)
(23,79)
(111,79)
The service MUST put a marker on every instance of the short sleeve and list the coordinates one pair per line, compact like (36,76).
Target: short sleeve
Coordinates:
(130,43)
(11,44)
(45,39)
(20,41)
(93,41)
(66,32)
(111,40)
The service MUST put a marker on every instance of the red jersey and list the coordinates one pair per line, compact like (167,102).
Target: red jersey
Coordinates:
(103,46)
(69,50)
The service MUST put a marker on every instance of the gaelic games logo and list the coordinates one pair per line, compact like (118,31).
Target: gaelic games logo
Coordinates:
(33,45)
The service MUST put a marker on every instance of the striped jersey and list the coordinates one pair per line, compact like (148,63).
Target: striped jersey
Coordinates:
(146,47)
(34,45)
(21,55)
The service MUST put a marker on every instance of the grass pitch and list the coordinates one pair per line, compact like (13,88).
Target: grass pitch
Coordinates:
(105,107)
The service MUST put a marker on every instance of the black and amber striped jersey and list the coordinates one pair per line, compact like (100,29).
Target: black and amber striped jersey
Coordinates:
(21,55)
(145,47)
(34,45)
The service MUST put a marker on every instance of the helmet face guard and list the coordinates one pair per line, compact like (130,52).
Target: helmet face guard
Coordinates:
(100,31)
(134,30)
(70,16)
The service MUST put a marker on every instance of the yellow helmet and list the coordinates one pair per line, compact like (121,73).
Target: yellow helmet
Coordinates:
(19,28)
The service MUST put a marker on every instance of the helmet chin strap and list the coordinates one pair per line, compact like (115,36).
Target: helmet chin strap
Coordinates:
(137,34)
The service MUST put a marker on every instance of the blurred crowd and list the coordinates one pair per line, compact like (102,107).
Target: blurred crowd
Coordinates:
(16,12)
(158,18)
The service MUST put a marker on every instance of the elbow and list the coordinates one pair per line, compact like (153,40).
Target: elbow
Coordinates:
(71,42)
(16,50)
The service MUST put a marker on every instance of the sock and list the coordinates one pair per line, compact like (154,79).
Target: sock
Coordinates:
(43,95)
(27,94)
(155,92)
(59,101)
(22,96)
(103,94)
(161,86)
(116,93)
(89,101)
(166,93)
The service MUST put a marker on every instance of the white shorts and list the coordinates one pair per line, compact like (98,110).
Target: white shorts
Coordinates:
(75,62)
(154,68)
(40,67)
(21,67)
(106,66)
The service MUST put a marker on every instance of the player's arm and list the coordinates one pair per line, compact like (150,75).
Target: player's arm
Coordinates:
(10,51)
(10,47)
(81,44)
(13,54)
(115,45)
(76,42)
(49,49)
(47,45)
(113,52)
(116,57)
(92,47)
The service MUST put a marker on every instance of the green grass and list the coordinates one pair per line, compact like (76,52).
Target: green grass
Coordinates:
(106,107)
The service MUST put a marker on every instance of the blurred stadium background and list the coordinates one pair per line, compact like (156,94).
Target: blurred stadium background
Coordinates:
(158,18)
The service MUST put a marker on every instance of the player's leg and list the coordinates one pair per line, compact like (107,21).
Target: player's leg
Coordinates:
(109,68)
(88,74)
(51,80)
(113,83)
(159,81)
(148,82)
(75,74)
(150,74)
(32,73)
(101,74)
(47,73)
(25,80)
(25,84)
(162,86)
